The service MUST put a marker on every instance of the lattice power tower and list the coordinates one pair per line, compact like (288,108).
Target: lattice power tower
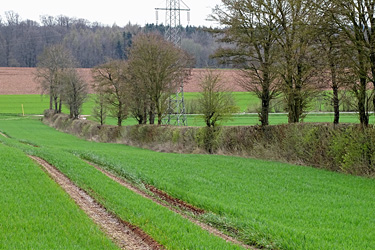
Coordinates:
(176,114)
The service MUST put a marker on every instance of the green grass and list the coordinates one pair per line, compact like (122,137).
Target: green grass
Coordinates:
(33,104)
(253,119)
(36,104)
(267,203)
(36,213)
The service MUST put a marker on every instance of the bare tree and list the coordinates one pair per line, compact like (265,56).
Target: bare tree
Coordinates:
(54,60)
(140,101)
(160,67)
(99,111)
(253,32)
(298,61)
(111,81)
(216,102)
(73,91)
(275,36)
(330,42)
(356,22)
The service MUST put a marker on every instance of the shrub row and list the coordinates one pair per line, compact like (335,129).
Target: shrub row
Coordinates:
(344,148)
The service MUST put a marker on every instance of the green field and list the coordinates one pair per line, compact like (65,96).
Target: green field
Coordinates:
(36,213)
(253,119)
(269,204)
(35,104)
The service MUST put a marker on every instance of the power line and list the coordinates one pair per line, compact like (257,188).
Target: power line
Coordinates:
(176,112)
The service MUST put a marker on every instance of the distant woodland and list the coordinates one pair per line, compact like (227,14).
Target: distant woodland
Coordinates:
(92,44)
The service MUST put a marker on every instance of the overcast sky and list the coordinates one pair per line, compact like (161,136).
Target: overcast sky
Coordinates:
(109,12)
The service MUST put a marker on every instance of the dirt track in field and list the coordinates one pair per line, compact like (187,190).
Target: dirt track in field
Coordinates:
(171,203)
(126,236)
(21,81)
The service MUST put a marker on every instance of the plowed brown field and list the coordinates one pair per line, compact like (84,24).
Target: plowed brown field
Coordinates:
(21,81)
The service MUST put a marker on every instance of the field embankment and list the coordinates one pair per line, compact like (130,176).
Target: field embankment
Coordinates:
(343,148)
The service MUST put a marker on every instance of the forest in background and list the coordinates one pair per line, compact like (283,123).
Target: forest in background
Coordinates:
(92,44)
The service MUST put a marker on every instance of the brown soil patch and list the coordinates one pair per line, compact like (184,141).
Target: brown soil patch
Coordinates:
(21,81)
(171,206)
(229,78)
(174,201)
(125,235)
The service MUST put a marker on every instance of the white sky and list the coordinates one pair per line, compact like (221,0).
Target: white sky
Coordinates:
(108,12)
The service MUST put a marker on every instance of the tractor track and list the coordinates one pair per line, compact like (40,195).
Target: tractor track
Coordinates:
(125,235)
(4,135)
(171,203)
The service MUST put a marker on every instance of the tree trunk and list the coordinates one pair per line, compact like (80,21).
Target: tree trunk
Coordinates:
(335,88)
(363,112)
(152,114)
(336,104)
(56,106)
(264,115)
(119,121)
(266,98)
(119,115)
(60,106)
(50,99)
(294,105)
(144,114)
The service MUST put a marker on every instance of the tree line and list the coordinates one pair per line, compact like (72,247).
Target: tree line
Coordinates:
(92,44)
(294,48)
(139,86)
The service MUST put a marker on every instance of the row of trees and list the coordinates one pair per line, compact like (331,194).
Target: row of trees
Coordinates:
(59,78)
(22,41)
(296,47)
(139,87)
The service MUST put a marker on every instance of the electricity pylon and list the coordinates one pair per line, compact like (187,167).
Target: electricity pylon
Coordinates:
(176,112)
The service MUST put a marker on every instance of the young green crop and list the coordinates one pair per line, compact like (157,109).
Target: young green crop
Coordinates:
(169,229)
(35,212)
(265,203)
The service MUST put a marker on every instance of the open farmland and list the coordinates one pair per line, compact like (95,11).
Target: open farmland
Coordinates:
(268,204)
(21,81)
